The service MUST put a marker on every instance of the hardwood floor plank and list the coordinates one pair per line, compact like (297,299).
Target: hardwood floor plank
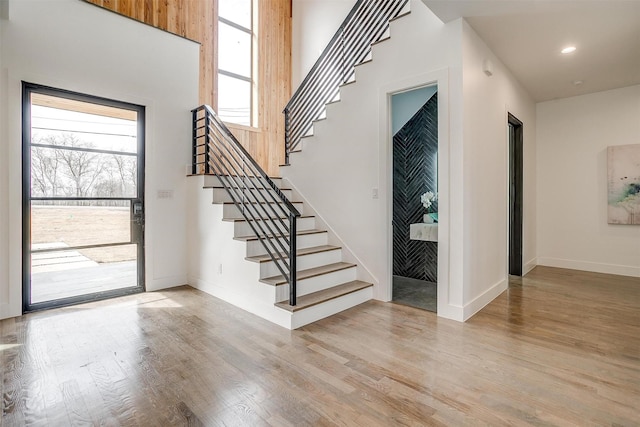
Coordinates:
(559,348)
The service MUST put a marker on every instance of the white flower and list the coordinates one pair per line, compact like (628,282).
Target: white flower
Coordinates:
(428,198)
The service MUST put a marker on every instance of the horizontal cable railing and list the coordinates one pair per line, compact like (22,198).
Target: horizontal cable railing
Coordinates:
(271,216)
(367,22)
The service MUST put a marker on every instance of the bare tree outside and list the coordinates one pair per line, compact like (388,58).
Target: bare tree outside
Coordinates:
(127,170)
(44,169)
(81,167)
(64,168)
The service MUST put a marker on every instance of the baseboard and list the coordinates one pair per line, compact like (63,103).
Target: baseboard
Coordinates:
(596,267)
(165,283)
(528,266)
(266,311)
(331,307)
(6,312)
(479,302)
(451,312)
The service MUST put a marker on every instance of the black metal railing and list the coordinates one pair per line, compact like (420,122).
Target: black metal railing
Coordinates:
(367,22)
(269,213)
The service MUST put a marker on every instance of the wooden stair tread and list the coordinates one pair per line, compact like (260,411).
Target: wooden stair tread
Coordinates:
(319,297)
(402,15)
(366,61)
(253,220)
(312,272)
(235,176)
(300,252)
(258,203)
(350,82)
(299,233)
(382,40)
(252,189)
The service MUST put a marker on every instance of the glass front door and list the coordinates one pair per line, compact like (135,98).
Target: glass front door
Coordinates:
(83,198)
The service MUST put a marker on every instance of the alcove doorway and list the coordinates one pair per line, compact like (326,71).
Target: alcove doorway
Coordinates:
(414,116)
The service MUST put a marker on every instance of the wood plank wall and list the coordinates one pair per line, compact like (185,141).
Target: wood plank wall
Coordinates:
(196,20)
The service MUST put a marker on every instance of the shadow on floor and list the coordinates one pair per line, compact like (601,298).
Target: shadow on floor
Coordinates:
(415,293)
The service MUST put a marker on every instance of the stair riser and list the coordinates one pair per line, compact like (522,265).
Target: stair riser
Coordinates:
(232,212)
(317,283)
(242,228)
(220,195)
(211,181)
(304,262)
(331,307)
(255,247)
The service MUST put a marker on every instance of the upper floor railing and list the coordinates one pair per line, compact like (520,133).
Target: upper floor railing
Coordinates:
(365,24)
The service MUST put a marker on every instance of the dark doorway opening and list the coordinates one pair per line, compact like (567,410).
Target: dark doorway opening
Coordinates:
(515,195)
(82,197)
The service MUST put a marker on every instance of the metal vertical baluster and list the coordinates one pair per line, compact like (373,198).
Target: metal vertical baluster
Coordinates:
(206,147)
(293,292)
(287,134)
(194,148)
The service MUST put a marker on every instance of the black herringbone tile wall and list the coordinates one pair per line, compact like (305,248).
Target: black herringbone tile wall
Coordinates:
(415,149)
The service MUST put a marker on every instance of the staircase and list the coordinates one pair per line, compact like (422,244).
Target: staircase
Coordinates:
(325,283)
(292,273)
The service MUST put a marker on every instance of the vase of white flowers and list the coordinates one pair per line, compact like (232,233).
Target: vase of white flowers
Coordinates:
(427,200)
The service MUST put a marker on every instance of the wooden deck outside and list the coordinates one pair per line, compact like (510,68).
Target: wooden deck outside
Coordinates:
(88,279)
(560,347)
(58,273)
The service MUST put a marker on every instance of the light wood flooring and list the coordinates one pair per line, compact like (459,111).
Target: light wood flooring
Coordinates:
(561,347)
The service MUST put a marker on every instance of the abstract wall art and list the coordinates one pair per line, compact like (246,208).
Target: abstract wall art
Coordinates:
(623,190)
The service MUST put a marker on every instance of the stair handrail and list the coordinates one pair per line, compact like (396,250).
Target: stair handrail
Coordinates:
(365,24)
(215,150)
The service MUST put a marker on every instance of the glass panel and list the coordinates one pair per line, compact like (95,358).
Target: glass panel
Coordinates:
(63,274)
(234,100)
(72,173)
(234,50)
(236,11)
(54,126)
(63,226)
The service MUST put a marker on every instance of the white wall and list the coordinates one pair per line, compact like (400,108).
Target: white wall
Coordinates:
(314,23)
(487,100)
(573,135)
(73,45)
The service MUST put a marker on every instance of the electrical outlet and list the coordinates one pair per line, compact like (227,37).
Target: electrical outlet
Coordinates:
(220,269)
(374,193)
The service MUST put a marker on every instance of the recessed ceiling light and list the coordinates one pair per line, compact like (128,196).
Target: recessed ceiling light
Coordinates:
(577,82)
(568,49)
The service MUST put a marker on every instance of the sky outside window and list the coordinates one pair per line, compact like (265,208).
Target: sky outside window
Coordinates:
(235,61)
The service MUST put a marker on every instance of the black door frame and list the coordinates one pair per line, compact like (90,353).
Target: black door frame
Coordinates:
(136,238)
(516,164)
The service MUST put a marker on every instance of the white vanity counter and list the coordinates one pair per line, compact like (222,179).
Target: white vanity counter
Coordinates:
(422,231)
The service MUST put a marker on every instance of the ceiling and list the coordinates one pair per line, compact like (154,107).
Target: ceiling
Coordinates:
(527,35)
